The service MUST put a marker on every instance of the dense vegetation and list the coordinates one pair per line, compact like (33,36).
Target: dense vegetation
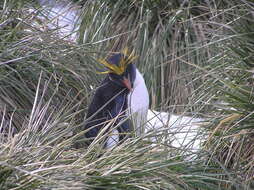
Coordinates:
(197,58)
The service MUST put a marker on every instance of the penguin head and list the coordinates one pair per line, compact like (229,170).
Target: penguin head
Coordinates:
(125,78)
(121,69)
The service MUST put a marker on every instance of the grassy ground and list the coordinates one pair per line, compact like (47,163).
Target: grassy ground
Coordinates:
(197,59)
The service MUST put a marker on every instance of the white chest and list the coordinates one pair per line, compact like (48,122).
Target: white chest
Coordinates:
(138,103)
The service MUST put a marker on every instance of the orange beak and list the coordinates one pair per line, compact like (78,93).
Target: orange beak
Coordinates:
(127,83)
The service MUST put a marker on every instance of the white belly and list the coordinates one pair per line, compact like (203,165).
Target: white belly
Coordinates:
(138,103)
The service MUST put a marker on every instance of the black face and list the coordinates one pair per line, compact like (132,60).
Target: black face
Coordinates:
(127,77)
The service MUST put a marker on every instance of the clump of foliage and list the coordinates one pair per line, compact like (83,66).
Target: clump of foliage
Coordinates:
(231,135)
(196,57)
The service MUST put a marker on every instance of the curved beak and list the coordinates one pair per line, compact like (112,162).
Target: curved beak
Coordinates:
(127,83)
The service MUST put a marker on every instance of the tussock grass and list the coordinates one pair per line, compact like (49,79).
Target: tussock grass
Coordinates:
(196,58)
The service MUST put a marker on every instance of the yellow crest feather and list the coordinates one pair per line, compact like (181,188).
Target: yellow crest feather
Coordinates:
(125,60)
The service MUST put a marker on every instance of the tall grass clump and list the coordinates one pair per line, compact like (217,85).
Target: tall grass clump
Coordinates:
(230,86)
(196,58)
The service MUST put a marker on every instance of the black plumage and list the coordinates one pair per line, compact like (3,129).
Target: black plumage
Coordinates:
(111,100)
